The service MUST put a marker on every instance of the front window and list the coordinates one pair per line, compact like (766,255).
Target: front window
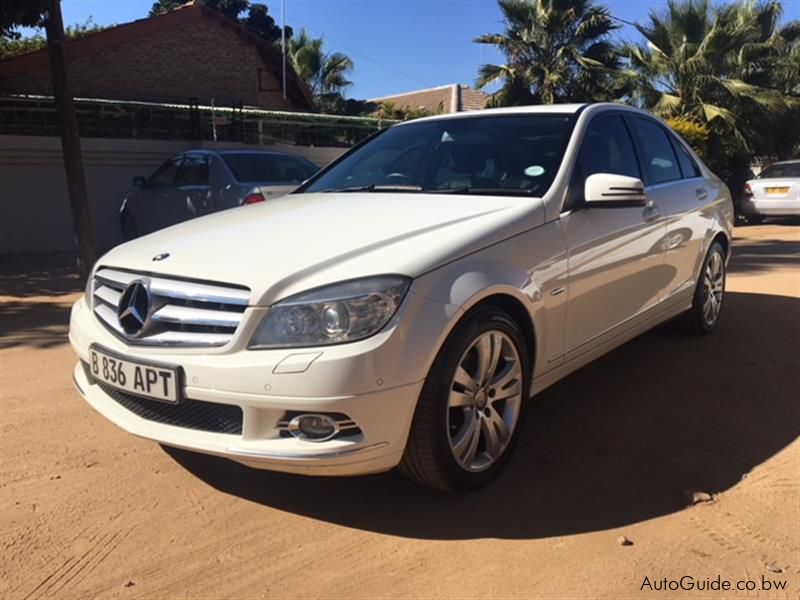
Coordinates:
(513,154)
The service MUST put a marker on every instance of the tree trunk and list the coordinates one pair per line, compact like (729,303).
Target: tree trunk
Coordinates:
(70,141)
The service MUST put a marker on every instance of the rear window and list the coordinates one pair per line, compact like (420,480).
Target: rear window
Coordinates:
(781,171)
(660,162)
(256,168)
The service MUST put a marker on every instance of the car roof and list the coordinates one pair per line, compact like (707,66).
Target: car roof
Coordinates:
(542,109)
(243,151)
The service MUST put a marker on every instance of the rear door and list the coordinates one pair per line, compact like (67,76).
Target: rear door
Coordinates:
(615,255)
(192,193)
(674,180)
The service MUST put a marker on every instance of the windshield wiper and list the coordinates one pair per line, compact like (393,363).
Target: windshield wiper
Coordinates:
(376,188)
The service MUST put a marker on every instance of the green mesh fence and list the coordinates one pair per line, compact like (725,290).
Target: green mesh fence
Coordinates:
(97,118)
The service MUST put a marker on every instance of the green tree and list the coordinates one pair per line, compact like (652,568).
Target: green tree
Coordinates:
(324,73)
(260,22)
(47,13)
(230,8)
(556,51)
(22,45)
(389,110)
(722,68)
(253,16)
(708,65)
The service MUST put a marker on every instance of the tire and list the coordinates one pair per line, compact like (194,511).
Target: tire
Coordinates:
(491,411)
(697,320)
(128,226)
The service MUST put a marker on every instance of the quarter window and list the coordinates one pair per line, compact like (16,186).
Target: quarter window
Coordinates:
(659,160)
(688,165)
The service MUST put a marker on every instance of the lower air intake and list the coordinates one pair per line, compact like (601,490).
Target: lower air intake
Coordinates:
(191,414)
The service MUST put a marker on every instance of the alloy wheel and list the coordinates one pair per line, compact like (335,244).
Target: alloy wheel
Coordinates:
(484,401)
(713,288)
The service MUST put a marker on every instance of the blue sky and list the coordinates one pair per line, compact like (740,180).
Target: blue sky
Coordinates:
(396,45)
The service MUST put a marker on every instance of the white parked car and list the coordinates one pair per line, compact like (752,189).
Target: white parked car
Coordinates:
(402,307)
(775,192)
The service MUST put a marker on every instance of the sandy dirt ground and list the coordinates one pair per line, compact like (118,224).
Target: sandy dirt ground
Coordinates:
(88,511)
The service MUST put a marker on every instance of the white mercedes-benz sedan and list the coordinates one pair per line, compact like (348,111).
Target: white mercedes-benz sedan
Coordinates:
(403,306)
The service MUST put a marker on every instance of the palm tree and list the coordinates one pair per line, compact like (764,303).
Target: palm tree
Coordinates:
(325,74)
(711,66)
(556,51)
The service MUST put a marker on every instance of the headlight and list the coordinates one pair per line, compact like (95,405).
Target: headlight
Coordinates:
(334,314)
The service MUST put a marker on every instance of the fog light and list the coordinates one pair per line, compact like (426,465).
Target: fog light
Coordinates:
(314,428)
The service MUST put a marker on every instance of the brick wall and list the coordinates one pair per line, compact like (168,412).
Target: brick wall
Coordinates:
(199,59)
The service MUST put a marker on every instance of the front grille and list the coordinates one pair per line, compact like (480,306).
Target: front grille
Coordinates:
(179,312)
(191,414)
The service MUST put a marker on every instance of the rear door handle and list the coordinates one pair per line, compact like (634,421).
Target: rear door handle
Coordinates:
(702,194)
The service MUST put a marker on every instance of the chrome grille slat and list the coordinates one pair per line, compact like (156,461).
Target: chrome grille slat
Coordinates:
(108,295)
(109,316)
(197,316)
(181,313)
(196,292)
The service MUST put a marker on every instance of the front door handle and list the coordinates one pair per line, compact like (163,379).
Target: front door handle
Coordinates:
(651,212)
(702,194)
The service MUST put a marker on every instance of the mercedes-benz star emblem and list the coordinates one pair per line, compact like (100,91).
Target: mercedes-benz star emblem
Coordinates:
(134,305)
(161,256)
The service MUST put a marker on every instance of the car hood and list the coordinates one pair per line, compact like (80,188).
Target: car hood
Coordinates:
(291,244)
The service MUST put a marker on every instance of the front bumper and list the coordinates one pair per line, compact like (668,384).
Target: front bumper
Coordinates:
(375,382)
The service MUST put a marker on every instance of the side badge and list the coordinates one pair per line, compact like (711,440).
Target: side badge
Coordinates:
(159,257)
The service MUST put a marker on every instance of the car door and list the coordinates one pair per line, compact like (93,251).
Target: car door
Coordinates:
(615,257)
(191,196)
(146,204)
(675,181)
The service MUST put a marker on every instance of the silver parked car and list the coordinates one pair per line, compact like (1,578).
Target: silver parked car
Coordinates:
(199,182)
(775,192)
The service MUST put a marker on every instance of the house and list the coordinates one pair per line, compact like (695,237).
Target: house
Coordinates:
(192,52)
(445,99)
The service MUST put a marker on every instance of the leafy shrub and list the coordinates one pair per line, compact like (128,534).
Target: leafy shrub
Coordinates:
(696,134)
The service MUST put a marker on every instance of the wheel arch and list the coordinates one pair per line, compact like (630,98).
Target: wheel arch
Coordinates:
(724,242)
(508,301)
(519,313)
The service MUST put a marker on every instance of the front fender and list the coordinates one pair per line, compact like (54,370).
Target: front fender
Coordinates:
(531,268)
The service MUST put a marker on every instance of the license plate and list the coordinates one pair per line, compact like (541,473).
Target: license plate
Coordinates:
(158,382)
(777,191)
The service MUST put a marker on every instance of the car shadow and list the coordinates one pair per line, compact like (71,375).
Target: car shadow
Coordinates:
(761,255)
(616,443)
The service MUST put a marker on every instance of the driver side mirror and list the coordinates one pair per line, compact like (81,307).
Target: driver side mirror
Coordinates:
(610,190)
(139,181)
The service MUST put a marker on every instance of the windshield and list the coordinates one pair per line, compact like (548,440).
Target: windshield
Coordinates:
(781,171)
(508,154)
